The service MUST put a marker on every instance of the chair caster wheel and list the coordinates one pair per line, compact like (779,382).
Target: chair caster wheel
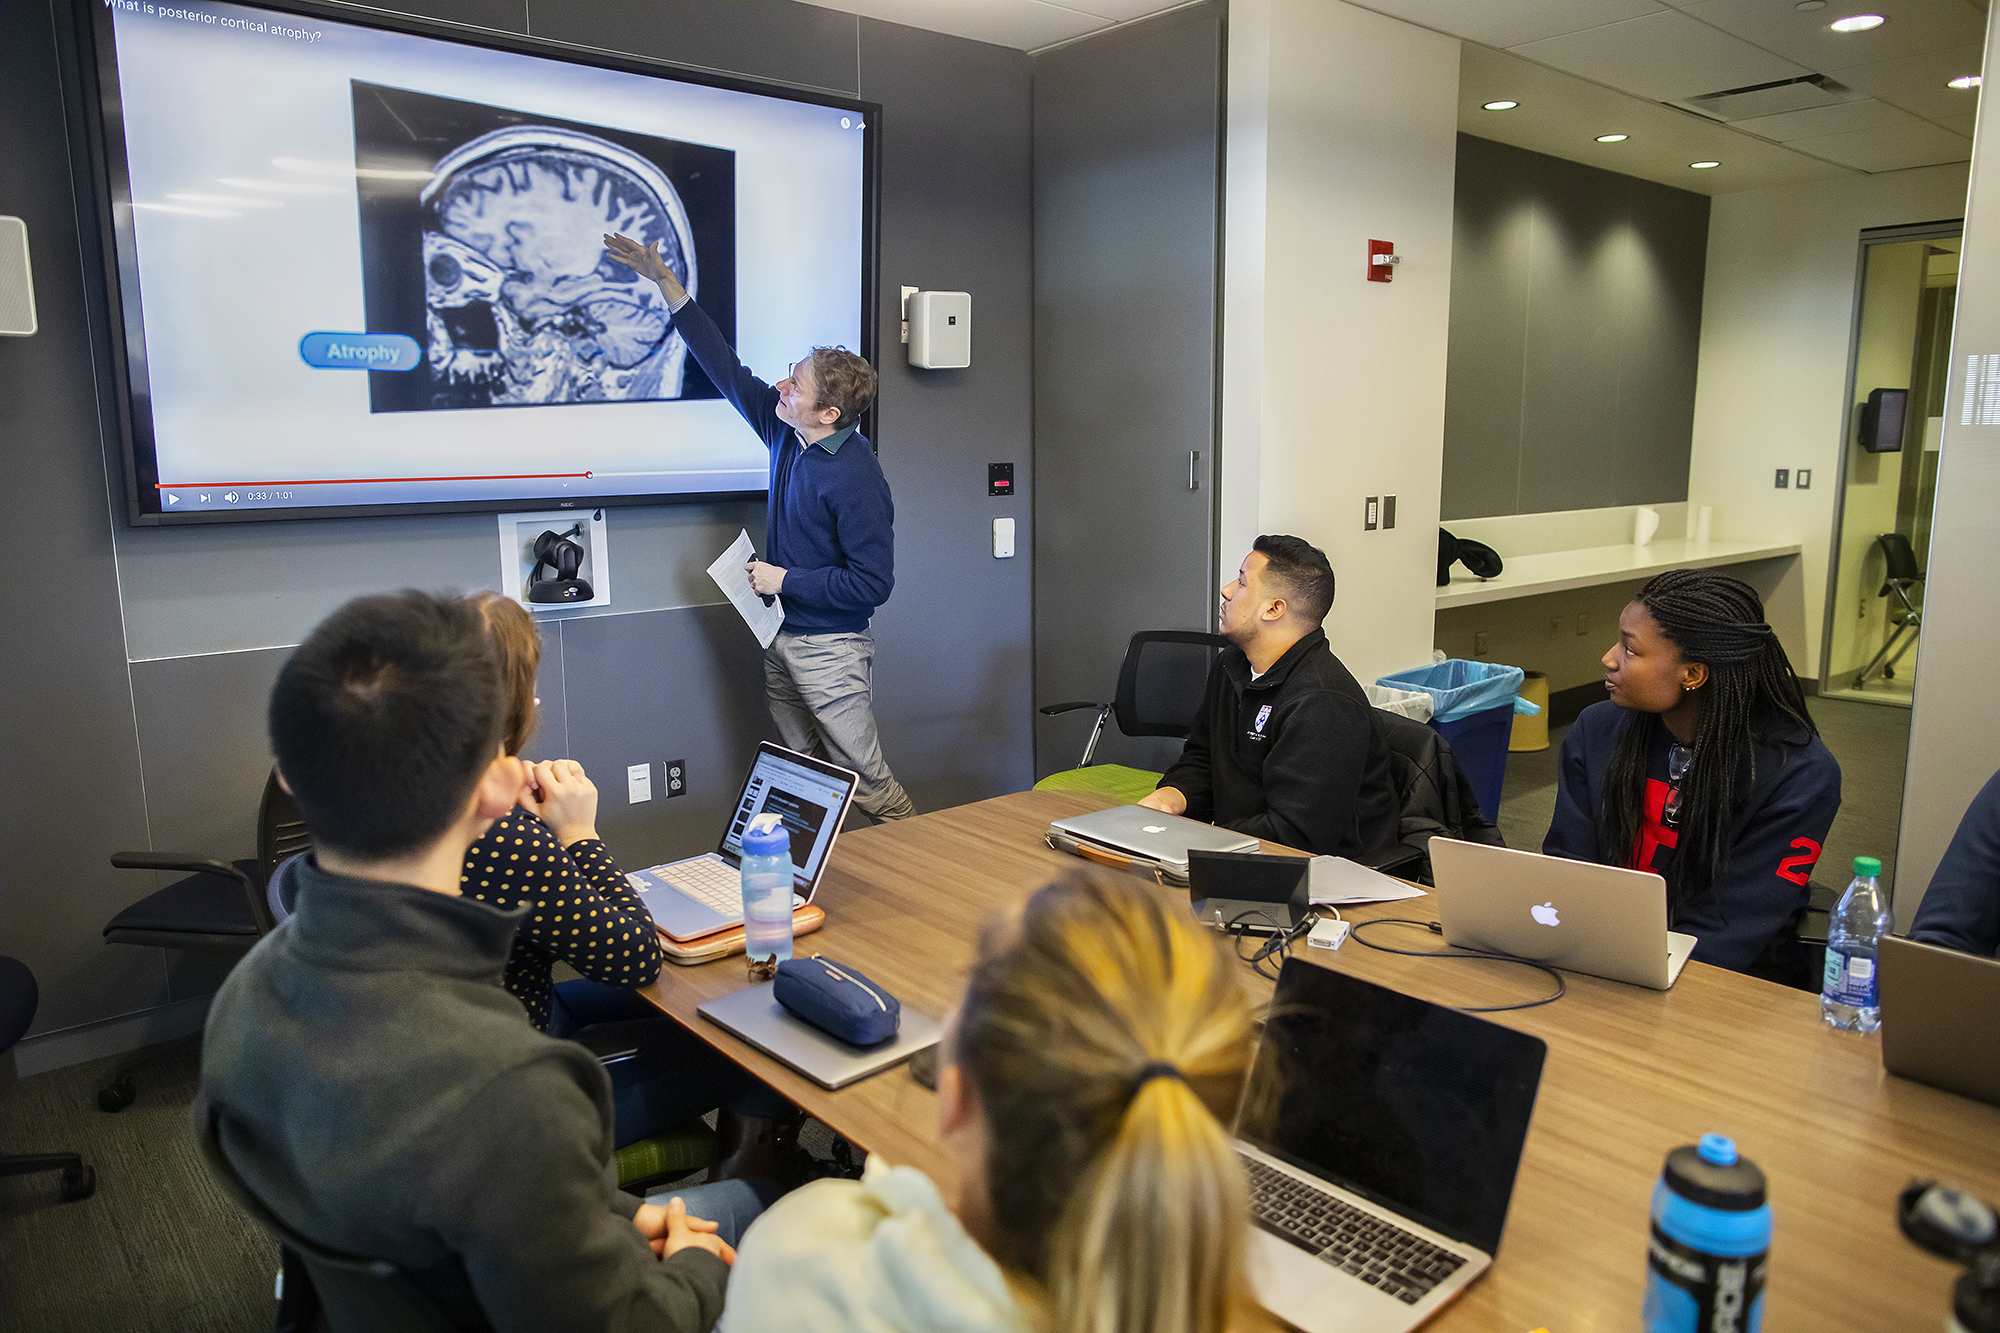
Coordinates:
(78,1182)
(117,1096)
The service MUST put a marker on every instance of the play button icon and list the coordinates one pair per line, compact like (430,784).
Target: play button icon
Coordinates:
(173,499)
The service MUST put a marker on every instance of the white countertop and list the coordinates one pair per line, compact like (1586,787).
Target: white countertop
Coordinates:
(1559,571)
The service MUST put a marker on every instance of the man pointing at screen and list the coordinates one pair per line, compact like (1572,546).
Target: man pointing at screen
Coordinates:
(830,537)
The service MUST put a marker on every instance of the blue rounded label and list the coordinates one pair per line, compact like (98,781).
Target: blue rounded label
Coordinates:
(360,351)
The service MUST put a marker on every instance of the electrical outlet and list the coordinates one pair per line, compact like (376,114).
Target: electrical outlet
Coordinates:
(1583,625)
(1784,477)
(1802,479)
(1479,643)
(676,771)
(638,783)
(1388,512)
(1371,513)
(1555,627)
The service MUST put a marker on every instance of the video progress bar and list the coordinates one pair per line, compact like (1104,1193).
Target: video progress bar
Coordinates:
(359,481)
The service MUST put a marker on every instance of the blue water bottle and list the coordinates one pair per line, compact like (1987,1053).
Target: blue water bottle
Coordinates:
(1711,1242)
(767,895)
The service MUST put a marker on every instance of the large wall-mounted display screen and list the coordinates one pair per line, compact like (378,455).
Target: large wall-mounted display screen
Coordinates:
(359,269)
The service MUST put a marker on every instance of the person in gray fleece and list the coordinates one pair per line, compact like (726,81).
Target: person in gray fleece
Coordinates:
(368,1076)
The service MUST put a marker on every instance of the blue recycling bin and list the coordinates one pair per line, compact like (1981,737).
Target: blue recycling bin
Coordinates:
(1473,707)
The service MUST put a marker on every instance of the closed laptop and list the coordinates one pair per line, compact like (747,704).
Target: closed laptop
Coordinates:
(1137,831)
(1941,1017)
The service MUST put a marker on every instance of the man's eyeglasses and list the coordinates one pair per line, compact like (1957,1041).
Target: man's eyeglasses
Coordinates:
(1678,759)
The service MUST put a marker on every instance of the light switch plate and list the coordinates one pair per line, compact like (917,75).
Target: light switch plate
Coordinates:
(638,783)
(1802,479)
(1003,538)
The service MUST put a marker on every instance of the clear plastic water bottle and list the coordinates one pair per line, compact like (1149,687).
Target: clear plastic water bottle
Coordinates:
(1848,998)
(767,895)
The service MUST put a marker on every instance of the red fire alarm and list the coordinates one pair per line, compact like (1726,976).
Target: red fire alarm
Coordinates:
(1382,261)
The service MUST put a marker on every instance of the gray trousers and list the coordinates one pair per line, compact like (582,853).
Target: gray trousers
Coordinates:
(822,692)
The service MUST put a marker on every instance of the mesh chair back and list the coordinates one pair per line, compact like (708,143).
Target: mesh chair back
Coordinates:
(1160,685)
(281,829)
(1900,559)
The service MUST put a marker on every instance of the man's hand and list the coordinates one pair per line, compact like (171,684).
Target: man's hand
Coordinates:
(1167,800)
(765,580)
(669,1230)
(566,800)
(646,261)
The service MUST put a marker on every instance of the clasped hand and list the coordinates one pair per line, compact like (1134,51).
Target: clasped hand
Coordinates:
(558,794)
(669,1230)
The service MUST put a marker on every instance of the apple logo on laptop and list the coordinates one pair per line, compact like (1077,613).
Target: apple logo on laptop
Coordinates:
(1152,828)
(1546,914)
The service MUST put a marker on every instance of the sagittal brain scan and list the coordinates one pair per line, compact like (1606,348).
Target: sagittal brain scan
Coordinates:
(491,254)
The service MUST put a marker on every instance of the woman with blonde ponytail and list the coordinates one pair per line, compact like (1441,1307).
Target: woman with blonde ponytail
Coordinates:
(1087,1083)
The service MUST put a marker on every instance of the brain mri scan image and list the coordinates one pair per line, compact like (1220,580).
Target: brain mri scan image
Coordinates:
(496,262)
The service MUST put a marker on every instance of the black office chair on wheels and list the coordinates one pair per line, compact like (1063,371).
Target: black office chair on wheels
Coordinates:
(19,998)
(219,907)
(1160,686)
(1902,578)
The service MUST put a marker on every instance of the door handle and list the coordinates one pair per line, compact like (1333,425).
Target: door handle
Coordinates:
(1194,469)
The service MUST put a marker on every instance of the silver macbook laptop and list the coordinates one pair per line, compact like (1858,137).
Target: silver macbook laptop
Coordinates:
(1382,1163)
(1575,915)
(1167,839)
(755,1015)
(704,894)
(1941,1017)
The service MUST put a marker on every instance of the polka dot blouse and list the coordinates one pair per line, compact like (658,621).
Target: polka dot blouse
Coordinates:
(581,909)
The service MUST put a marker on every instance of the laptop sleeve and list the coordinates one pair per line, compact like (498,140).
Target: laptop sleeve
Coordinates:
(838,1000)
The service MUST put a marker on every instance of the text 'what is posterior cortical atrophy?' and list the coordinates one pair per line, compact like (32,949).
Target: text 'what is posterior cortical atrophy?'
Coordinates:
(186,15)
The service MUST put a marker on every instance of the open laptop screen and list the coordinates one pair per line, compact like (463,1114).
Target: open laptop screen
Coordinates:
(809,796)
(1415,1106)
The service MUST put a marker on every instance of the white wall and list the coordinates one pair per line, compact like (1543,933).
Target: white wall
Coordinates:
(1777,314)
(1955,724)
(1342,128)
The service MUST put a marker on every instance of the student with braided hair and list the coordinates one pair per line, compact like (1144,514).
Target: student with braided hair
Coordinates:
(1088,1080)
(1704,766)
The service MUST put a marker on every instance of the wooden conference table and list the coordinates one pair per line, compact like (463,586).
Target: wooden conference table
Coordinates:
(1631,1073)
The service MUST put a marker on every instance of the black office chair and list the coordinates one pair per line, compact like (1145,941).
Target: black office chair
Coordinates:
(325,1288)
(1901,578)
(19,998)
(220,907)
(1436,799)
(1160,687)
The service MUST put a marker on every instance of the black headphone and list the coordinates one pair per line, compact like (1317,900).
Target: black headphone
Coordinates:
(1478,557)
(564,558)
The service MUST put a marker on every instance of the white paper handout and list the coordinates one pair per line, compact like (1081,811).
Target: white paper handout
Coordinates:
(1335,881)
(727,571)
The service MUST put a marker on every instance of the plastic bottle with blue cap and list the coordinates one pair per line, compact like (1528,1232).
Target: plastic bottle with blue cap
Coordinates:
(1711,1242)
(767,895)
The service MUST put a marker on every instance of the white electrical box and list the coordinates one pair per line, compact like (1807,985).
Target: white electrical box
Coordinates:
(941,330)
(1003,538)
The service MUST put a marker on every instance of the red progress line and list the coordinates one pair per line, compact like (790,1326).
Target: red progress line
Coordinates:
(357,481)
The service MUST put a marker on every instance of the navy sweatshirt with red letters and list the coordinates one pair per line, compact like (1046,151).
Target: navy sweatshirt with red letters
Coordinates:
(1775,834)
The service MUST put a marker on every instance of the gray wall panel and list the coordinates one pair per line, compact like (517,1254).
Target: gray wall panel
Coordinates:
(202,732)
(1575,325)
(1127,155)
(759,39)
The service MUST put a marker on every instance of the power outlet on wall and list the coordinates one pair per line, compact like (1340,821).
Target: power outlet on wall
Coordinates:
(676,770)
(1555,627)
(1583,625)
(1480,639)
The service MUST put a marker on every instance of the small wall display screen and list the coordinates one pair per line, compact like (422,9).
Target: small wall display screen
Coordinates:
(359,269)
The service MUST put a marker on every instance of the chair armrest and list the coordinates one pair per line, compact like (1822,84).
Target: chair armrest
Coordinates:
(1050,710)
(186,863)
(1394,857)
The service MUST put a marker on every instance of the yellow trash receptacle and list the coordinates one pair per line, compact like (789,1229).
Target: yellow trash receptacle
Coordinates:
(1532,732)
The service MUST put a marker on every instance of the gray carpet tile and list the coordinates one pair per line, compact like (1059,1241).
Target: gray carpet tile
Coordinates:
(157,1247)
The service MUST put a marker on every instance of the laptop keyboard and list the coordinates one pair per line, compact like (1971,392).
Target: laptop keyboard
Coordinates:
(1370,1248)
(709,880)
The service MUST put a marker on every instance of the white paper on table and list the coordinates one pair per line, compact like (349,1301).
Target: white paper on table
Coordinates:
(727,571)
(1335,881)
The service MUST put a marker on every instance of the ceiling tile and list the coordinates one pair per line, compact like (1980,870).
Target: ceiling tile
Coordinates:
(1120,11)
(1506,23)
(1025,25)
(1914,26)
(1561,115)
(1892,149)
(1661,56)
(1917,84)
(1842,119)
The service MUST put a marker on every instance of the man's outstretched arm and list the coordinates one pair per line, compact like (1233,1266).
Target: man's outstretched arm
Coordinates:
(756,400)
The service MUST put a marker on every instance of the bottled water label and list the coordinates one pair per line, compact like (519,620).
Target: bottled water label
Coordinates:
(1850,979)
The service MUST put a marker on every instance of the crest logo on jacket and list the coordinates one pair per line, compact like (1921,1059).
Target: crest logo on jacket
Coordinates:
(1263,716)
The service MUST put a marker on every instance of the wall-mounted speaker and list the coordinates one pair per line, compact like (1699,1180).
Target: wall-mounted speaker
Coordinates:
(17,285)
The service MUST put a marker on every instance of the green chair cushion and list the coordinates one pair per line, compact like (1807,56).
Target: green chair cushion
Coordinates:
(1115,780)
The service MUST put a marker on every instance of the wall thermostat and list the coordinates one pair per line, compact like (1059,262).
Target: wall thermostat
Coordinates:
(940,330)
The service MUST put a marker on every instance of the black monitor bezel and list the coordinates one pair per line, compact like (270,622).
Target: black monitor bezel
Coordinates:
(123,328)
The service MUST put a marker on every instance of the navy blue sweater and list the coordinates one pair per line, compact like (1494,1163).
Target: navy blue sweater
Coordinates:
(831,525)
(1775,835)
(1961,908)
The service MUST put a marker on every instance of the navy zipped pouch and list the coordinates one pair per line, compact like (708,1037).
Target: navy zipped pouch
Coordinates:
(837,1000)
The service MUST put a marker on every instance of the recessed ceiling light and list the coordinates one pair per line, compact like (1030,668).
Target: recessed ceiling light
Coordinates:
(1613,138)
(1500,106)
(1704,166)
(1808,6)
(1966,81)
(1857,23)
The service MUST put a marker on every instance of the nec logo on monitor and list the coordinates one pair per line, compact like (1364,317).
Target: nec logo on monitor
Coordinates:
(1546,914)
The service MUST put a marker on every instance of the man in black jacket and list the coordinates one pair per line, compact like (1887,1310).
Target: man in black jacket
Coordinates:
(371,1081)
(1286,746)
